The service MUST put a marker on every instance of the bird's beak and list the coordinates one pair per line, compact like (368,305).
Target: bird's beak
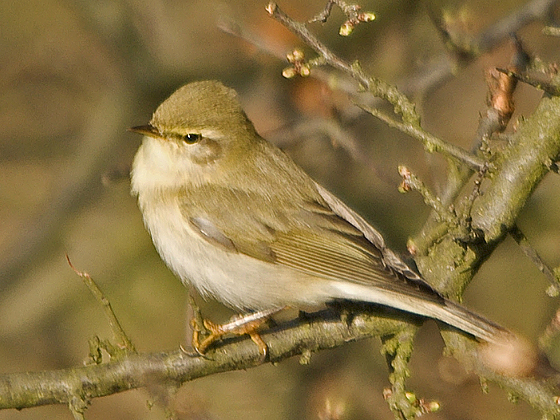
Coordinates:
(146,130)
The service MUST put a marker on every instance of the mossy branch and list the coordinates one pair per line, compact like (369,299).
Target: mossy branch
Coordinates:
(301,337)
(534,148)
(66,386)
(517,172)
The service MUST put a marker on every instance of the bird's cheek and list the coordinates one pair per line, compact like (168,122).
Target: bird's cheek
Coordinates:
(207,151)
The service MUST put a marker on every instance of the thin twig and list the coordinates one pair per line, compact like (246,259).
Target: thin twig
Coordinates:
(398,350)
(377,87)
(410,120)
(431,143)
(324,127)
(411,182)
(352,11)
(325,13)
(440,70)
(429,78)
(305,35)
(548,86)
(118,331)
(534,256)
(494,120)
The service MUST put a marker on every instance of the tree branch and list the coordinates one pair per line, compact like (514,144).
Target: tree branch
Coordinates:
(410,119)
(534,148)
(516,173)
(76,387)
(325,331)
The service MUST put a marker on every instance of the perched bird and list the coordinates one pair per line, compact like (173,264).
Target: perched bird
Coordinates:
(234,216)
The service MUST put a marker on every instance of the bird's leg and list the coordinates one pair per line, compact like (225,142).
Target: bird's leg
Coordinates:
(240,325)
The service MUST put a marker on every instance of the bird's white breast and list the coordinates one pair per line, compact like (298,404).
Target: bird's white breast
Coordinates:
(232,278)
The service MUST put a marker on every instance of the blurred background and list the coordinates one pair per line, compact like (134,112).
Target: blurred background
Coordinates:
(75,75)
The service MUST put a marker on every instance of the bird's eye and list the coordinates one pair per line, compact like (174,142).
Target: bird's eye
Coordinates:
(191,138)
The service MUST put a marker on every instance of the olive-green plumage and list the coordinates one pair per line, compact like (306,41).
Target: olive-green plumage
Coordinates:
(234,216)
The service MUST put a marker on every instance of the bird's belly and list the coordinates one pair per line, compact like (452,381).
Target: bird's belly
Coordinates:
(235,279)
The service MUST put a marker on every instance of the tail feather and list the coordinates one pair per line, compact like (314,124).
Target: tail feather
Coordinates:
(424,304)
(465,320)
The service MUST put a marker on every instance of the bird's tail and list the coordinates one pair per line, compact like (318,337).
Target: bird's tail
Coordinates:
(465,320)
(424,304)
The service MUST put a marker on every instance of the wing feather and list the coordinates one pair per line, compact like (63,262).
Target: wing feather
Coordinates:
(317,235)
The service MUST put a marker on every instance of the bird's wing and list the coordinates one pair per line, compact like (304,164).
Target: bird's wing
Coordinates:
(319,236)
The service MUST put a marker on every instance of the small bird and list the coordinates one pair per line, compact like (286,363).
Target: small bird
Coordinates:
(234,216)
